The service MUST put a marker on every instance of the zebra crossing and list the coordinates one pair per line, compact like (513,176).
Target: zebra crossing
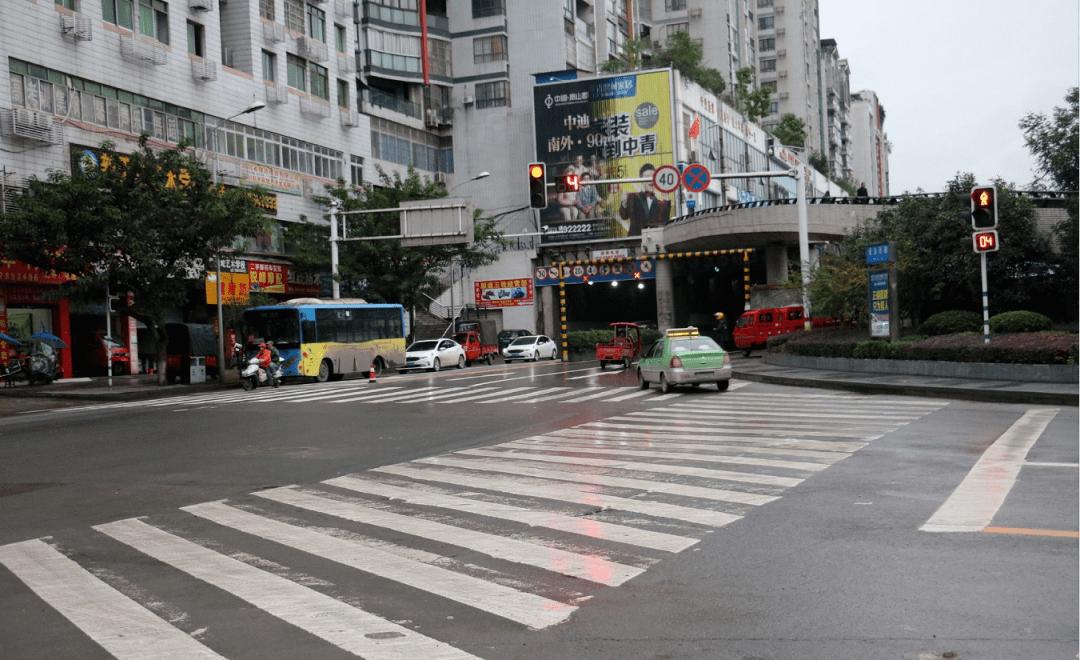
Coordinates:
(361,392)
(520,534)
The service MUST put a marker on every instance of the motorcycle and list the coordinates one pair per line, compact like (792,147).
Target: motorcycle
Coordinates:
(253,376)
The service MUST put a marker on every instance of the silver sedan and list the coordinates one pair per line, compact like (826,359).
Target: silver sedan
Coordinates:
(433,355)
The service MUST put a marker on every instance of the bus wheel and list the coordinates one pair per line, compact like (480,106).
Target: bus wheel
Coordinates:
(324,372)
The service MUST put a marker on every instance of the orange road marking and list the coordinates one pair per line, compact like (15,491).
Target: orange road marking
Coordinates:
(1031,532)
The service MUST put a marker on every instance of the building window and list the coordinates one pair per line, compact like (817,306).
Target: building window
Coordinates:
(493,94)
(489,49)
(774,108)
(316,23)
(297,72)
(675,28)
(482,8)
(674,5)
(767,44)
(154,19)
(320,81)
(195,39)
(356,170)
(118,12)
(266,9)
(765,22)
(440,59)
(769,85)
(66,4)
(764,3)
(294,15)
(340,38)
(768,65)
(269,63)
(343,93)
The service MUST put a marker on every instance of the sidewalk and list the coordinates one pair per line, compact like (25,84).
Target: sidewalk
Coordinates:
(131,388)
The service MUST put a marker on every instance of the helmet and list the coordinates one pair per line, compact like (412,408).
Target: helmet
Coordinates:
(719,315)
(269,343)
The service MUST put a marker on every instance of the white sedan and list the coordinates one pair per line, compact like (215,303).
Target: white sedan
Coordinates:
(433,355)
(532,348)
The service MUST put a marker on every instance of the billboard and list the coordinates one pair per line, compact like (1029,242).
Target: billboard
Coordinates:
(615,127)
(503,293)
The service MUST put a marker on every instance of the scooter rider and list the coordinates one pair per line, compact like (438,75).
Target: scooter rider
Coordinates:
(275,360)
(263,356)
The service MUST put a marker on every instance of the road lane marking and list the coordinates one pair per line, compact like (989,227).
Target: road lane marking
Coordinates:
(579,525)
(561,490)
(1031,532)
(975,502)
(703,458)
(667,433)
(746,429)
(544,557)
(525,608)
(118,624)
(619,444)
(377,396)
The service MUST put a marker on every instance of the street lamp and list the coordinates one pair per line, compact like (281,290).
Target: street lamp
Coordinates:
(482,175)
(254,107)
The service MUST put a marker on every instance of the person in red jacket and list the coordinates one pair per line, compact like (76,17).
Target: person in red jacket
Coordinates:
(263,356)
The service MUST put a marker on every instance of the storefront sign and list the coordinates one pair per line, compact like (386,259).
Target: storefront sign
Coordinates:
(273,178)
(504,293)
(21,273)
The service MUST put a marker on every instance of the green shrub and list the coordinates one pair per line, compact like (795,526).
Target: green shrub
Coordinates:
(1010,322)
(823,342)
(874,349)
(951,322)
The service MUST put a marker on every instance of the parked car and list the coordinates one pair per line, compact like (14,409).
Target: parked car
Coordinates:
(508,336)
(433,355)
(95,353)
(684,357)
(532,347)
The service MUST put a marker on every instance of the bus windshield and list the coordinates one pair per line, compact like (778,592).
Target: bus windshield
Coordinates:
(282,326)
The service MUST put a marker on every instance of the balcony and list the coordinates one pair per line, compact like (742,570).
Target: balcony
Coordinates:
(143,50)
(390,102)
(346,63)
(314,107)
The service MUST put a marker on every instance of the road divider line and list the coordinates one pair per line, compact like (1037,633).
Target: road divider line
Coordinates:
(975,502)
(122,627)
(1031,532)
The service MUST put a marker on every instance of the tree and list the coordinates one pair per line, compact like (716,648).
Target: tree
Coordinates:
(1055,143)
(635,49)
(754,103)
(939,271)
(383,270)
(819,162)
(791,131)
(684,54)
(144,223)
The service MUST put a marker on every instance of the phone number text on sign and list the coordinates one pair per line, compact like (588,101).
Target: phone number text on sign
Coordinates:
(504,293)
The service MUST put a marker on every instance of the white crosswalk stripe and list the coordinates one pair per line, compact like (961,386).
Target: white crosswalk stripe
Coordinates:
(520,533)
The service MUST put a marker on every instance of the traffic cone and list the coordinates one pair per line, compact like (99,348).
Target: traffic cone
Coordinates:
(371,375)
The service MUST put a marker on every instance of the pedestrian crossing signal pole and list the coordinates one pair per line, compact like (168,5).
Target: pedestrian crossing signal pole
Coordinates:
(984,220)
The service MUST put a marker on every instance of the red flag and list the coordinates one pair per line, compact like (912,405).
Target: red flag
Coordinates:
(695,128)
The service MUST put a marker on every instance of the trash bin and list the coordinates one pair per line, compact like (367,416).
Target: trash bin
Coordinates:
(198,369)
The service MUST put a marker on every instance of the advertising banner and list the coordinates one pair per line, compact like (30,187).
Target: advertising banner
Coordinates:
(604,128)
(12,271)
(240,277)
(504,293)
(879,303)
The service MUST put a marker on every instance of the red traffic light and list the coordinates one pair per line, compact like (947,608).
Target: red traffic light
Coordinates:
(984,213)
(536,171)
(537,185)
(985,241)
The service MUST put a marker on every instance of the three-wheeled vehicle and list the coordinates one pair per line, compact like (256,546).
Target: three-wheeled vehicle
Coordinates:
(37,362)
(623,347)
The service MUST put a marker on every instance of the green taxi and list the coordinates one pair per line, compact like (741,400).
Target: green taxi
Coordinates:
(684,357)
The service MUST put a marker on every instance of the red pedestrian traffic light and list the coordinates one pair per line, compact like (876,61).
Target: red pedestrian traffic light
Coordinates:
(984,213)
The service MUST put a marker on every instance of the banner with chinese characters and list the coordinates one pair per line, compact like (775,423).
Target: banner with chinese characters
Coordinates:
(504,293)
(273,178)
(240,277)
(617,127)
(17,272)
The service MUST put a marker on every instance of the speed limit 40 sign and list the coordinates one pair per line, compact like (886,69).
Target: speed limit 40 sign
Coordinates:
(666,178)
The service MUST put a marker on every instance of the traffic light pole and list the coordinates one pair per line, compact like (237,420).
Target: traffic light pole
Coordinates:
(986,302)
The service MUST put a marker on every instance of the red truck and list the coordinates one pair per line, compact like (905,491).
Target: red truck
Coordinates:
(755,326)
(478,338)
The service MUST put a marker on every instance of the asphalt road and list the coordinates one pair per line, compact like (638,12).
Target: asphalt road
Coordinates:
(422,517)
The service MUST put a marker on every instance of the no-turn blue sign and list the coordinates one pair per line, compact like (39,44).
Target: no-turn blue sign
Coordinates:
(696,178)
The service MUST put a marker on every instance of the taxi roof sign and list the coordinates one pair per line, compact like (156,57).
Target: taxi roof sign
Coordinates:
(681,332)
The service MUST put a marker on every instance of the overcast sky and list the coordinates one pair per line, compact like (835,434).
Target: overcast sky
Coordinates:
(955,77)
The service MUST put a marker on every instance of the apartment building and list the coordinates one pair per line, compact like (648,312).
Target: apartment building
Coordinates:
(870,143)
(837,77)
(725,29)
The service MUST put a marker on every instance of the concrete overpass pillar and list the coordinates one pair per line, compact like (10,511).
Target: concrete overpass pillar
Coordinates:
(547,316)
(776,264)
(665,297)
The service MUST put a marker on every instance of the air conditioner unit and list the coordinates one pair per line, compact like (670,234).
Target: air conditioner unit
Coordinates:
(779,9)
(780,32)
(781,53)
(273,33)
(783,96)
(350,118)
(76,26)
(695,14)
(276,94)
(312,49)
(440,177)
(431,117)
(203,71)
(143,50)
(314,107)
(201,5)
(30,125)
(467,100)
(781,74)
(313,188)
(343,8)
